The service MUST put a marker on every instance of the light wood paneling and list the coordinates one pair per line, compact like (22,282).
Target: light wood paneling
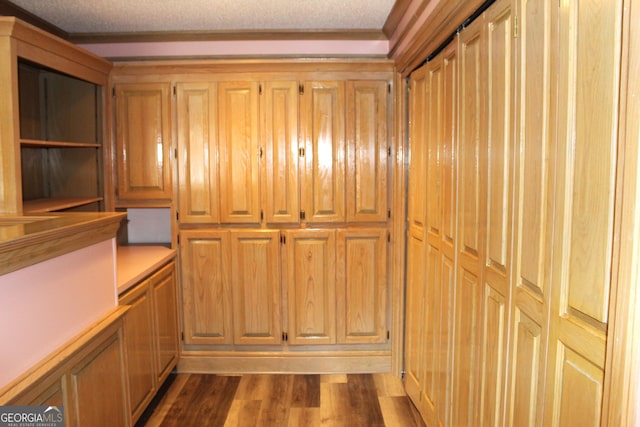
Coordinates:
(585,197)
(255,283)
(417,201)
(143,141)
(239,152)
(205,258)
(165,305)
(362,286)
(471,205)
(311,282)
(367,156)
(280,111)
(414,315)
(197,152)
(323,124)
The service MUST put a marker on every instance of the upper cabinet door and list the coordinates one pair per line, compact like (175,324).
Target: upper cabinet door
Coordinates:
(197,151)
(323,121)
(239,152)
(143,141)
(367,151)
(280,138)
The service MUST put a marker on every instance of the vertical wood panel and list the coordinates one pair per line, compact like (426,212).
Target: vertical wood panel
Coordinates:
(206,283)
(143,140)
(448,155)
(197,152)
(367,143)
(325,172)
(239,155)
(434,140)
(255,279)
(362,284)
(592,155)
(417,203)
(525,371)
(311,281)
(280,129)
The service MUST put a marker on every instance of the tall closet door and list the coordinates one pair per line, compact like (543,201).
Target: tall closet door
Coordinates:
(533,219)
(589,47)
(239,152)
(471,207)
(499,207)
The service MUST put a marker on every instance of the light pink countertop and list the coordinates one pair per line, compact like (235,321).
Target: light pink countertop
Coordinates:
(134,263)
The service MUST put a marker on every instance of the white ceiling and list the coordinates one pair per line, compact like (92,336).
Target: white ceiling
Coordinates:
(126,16)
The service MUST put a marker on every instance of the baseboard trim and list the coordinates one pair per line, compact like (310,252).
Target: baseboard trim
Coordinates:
(293,363)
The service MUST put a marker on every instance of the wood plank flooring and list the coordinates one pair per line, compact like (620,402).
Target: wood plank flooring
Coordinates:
(354,400)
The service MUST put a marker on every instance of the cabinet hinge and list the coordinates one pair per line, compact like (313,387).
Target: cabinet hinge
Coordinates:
(515,27)
(389,87)
(302,215)
(389,213)
(388,236)
(174,90)
(285,337)
(283,239)
(388,335)
(177,216)
(301,152)
(260,152)
(175,153)
(182,335)
(301,89)
(389,151)
(261,215)
(260,89)
(113,92)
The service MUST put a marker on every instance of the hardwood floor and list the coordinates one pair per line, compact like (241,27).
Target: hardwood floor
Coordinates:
(353,400)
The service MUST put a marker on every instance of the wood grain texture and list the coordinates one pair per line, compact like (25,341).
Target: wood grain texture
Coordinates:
(284,400)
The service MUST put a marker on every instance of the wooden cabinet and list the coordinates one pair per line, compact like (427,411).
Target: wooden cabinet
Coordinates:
(197,124)
(87,376)
(239,152)
(323,127)
(52,123)
(311,286)
(151,331)
(143,141)
(255,282)
(362,286)
(368,150)
(279,108)
(205,259)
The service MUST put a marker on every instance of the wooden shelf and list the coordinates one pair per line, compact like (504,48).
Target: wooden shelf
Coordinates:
(56,204)
(57,144)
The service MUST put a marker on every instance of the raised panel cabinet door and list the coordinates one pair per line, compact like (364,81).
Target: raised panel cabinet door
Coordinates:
(533,219)
(165,310)
(140,347)
(417,195)
(197,153)
(367,150)
(311,286)
(205,261)
(323,124)
(585,199)
(239,152)
(143,141)
(257,296)
(97,384)
(279,109)
(362,286)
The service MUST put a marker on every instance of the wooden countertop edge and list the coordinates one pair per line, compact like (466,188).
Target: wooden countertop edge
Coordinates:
(30,249)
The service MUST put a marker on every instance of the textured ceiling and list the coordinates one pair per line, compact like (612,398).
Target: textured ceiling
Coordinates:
(126,16)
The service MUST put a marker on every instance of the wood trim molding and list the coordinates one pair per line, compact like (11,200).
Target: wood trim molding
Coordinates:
(9,9)
(25,241)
